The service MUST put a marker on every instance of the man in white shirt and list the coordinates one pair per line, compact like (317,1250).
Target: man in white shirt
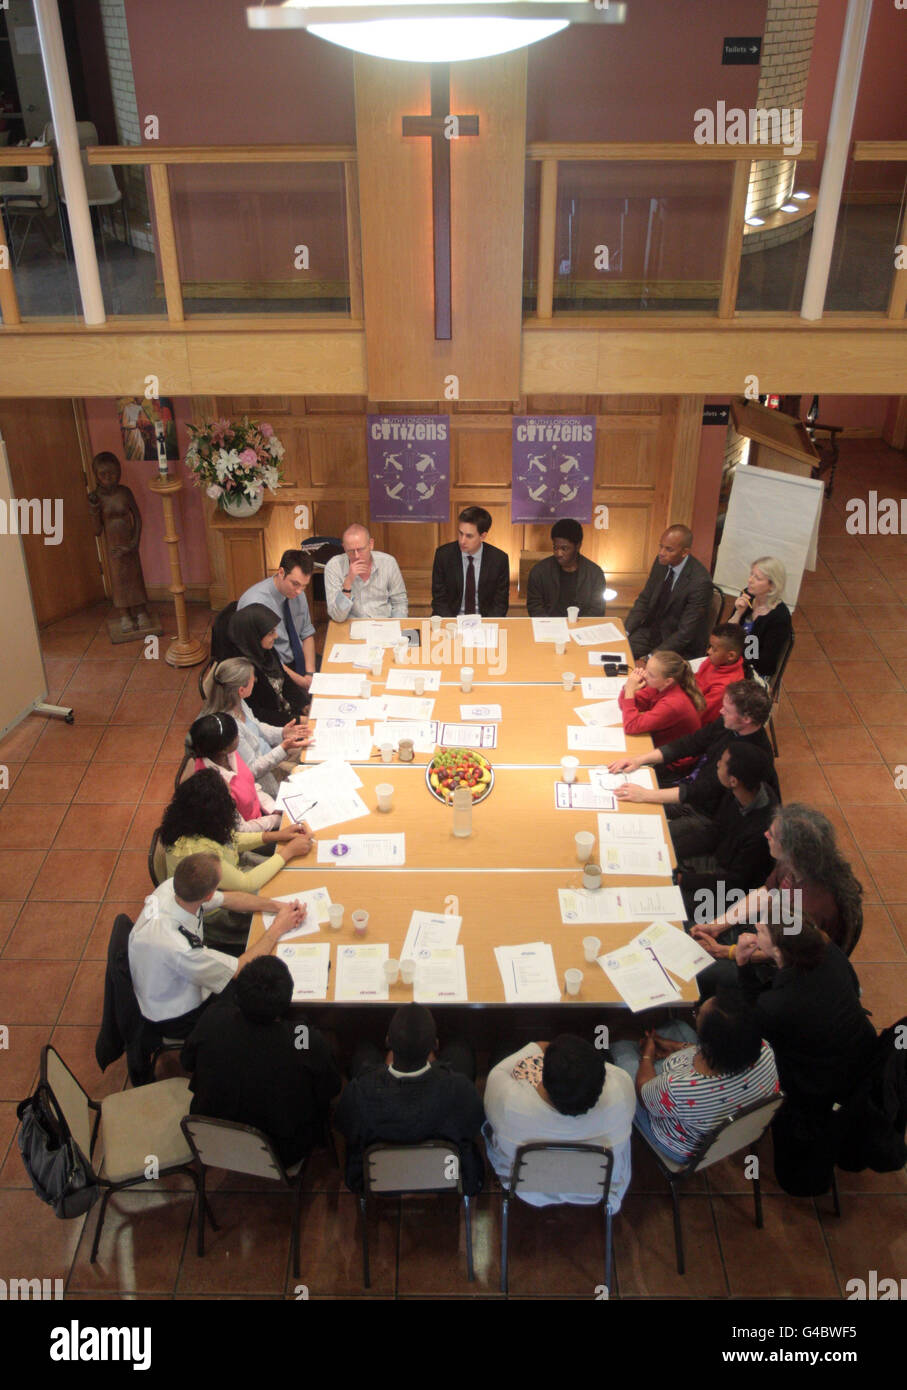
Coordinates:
(363,582)
(551,1092)
(284,594)
(174,973)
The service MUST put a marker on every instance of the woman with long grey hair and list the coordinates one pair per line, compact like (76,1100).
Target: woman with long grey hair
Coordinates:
(263,747)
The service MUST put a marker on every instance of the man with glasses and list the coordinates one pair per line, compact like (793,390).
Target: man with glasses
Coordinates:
(285,596)
(363,582)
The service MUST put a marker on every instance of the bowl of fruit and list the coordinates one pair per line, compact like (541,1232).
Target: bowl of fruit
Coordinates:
(451,768)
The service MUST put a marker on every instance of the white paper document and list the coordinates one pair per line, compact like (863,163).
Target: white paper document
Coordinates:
(468,736)
(528,973)
(325,776)
(383,633)
(491,713)
(398,679)
(424,734)
(604,713)
(609,781)
(638,978)
(602,687)
(629,858)
(349,709)
(550,629)
(441,977)
(596,658)
(430,931)
(579,905)
(364,851)
(360,972)
(347,741)
(620,904)
(596,738)
(484,636)
(627,829)
(580,796)
(324,683)
(405,707)
(596,635)
(676,951)
(333,808)
(646,904)
(349,654)
(308,963)
(316,902)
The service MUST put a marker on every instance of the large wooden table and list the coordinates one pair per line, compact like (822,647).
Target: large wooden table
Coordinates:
(503,880)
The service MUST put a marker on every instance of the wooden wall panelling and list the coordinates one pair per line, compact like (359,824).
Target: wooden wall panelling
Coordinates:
(685,458)
(481,458)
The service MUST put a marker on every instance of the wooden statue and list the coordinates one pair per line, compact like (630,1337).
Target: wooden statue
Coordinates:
(116,515)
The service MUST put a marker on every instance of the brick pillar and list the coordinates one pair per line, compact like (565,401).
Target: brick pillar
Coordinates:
(786,51)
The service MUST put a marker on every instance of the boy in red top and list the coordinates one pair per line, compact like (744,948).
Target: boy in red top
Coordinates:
(723,665)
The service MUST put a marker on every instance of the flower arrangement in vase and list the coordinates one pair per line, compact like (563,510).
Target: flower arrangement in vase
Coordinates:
(234,461)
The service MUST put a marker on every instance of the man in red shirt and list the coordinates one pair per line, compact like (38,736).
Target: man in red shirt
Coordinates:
(722,666)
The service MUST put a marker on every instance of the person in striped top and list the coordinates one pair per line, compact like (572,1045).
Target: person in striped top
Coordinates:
(688,1083)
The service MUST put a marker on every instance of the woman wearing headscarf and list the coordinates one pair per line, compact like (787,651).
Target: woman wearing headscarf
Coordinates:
(275,698)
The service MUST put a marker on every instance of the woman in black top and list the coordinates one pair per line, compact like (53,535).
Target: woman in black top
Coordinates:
(275,698)
(763,615)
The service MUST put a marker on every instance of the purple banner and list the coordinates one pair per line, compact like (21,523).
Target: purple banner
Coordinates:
(553,467)
(409,467)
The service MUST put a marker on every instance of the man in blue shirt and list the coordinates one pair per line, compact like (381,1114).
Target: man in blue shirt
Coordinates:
(285,594)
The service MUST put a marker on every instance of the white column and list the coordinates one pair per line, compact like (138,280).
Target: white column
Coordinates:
(69,158)
(840,125)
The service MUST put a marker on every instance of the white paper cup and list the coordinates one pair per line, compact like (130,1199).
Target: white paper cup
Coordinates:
(569,764)
(466,675)
(560,648)
(407,971)
(365,690)
(385,795)
(569,679)
(435,622)
(335,913)
(401,652)
(378,664)
(592,876)
(591,948)
(585,843)
(573,979)
(391,970)
(419,685)
(387,752)
(360,921)
(572,614)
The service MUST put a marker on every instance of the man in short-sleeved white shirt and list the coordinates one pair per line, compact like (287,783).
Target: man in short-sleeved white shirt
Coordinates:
(173,972)
(551,1092)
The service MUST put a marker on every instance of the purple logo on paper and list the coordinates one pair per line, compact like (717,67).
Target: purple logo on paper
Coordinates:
(409,467)
(340,849)
(553,467)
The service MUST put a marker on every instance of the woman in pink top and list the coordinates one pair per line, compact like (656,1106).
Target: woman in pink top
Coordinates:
(662,699)
(214,739)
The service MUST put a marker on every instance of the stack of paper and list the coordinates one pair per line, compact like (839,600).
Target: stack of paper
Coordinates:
(621,904)
(627,828)
(638,977)
(441,977)
(595,738)
(383,633)
(609,781)
(349,654)
(364,851)
(334,808)
(580,796)
(528,973)
(550,629)
(484,636)
(430,931)
(604,713)
(468,736)
(424,734)
(324,683)
(360,972)
(308,964)
(352,742)
(405,707)
(676,951)
(348,709)
(398,679)
(316,902)
(600,687)
(633,845)
(595,635)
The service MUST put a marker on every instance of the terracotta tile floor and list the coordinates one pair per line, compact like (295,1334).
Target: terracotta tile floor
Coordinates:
(74,825)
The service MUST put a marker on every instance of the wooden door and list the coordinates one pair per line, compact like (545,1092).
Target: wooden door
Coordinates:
(45,462)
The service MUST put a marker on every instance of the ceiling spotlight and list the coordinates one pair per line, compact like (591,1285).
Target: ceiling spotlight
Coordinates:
(434,31)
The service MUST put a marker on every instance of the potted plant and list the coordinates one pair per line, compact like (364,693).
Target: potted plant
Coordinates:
(234,461)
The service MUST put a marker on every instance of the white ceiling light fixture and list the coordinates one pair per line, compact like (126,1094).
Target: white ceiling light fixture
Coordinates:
(434,31)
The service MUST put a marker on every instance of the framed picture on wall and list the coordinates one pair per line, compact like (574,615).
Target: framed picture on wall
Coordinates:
(138,418)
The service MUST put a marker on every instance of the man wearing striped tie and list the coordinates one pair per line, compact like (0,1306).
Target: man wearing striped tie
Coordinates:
(469,575)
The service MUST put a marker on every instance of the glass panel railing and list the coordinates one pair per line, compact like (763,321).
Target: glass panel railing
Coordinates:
(641,235)
(869,225)
(120,200)
(40,248)
(261,238)
(781,208)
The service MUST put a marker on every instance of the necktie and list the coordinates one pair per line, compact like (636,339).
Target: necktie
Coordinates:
(298,658)
(664,596)
(469,603)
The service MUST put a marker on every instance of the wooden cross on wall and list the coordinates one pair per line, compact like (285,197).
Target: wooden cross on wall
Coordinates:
(442,127)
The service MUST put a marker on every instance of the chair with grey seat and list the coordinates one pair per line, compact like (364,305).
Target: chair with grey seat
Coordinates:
(241,1149)
(580,1169)
(397,1170)
(130,1125)
(744,1130)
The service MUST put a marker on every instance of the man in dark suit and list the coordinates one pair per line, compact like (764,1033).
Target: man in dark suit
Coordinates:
(468,575)
(673,610)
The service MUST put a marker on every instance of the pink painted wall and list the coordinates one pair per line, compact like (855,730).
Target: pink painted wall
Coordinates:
(104,430)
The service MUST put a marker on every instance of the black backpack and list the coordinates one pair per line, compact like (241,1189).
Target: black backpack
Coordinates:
(870,1124)
(59,1171)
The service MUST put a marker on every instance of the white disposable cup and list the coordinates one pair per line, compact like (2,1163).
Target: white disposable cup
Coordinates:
(560,648)
(573,979)
(385,794)
(407,971)
(335,913)
(419,685)
(591,948)
(378,664)
(585,843)
(572,614)
(466,675)
(360,921)
(592,876)
(400,652)
(391,970)
(569,678)
(365,690)
(569,764)
(387,752)
(435,621)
